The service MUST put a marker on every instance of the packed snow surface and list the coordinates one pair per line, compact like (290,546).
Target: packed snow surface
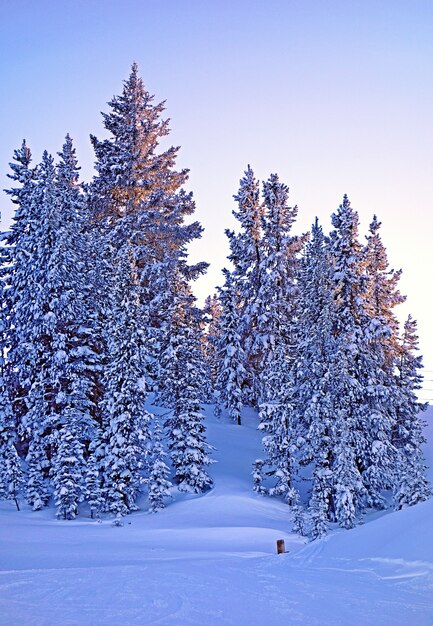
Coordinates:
(211,559)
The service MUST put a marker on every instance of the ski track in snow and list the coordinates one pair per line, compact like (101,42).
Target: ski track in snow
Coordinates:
(211,560)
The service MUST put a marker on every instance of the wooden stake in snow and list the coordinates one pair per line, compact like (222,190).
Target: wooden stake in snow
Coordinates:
(281,548)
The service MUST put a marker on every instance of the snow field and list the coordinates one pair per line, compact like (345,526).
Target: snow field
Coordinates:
(211,559)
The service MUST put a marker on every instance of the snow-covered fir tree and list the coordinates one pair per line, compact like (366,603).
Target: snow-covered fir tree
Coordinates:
(158,482)
(11,473)
(382,293)
(246,253)
(137,197)
(276,298)
(47,355)
(231,371)
(189,451)
(294,417)
(19,257)
(126,422)
(211,337)
(363,401)
(275,474)
(411,485)
(93,491)
(311,378)
(68,469)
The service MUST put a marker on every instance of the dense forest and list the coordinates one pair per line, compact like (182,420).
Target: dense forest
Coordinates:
(98,321)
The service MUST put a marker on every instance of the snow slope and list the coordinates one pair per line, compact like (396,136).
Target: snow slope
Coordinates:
(211,560)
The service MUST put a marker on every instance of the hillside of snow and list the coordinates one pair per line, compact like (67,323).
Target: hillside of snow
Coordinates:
(211,559)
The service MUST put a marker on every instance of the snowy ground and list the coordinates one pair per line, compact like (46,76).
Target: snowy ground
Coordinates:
(211,560)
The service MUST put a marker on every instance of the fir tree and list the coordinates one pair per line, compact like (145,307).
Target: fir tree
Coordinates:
(11,474)
(411,485)
(246,253)
(185,429)
(362,396)
(232,374)
(382,292)
(68,468)
(211,338)
(125,418)
(280,434)
(158,481)
(278,269)
(138,201)
(18,262)
(93,492)
(311,378)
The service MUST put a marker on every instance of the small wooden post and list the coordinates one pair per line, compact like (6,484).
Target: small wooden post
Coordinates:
(281,548)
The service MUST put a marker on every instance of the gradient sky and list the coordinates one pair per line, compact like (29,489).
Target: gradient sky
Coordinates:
(334,96)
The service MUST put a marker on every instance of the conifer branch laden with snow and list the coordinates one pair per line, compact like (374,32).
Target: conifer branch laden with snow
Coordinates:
(89,274)
(97,311)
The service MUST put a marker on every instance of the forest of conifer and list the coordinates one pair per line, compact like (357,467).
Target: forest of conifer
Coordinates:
(98,321)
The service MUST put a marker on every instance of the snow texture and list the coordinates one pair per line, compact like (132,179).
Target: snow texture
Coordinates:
(211,559)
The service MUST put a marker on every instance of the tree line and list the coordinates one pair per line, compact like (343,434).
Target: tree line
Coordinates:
(97,312)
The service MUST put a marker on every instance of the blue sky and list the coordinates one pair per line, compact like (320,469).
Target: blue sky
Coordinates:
(334,96)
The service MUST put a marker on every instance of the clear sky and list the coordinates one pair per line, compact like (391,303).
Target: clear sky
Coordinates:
(336,96)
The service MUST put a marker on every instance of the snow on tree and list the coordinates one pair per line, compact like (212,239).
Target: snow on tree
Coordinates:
(11,473)
(276,298)
(189,451)
(93,492)
(46,302)
(246,252)
(211,337)
(137,199)
(276,306)
(382,292)
(279,468)
(38,329)
(126,421)
(346,480)
(231,374)
(361,398)
(411,485)
(158,482)
(18,262)
(360,358)
(311,377)
(69,467)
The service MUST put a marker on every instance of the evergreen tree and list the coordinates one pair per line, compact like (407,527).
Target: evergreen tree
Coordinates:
(246,253)
(411,485)
(137,198)
(278,270)
(69,468)
(93,492)
(275,334)
(281,433)
(18,262)
(11,474)
(211,338)
(311,378)
(158,481)
(382,294)
(185,428)
(126,420)
(232,374)
(48,355)
(39,329)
